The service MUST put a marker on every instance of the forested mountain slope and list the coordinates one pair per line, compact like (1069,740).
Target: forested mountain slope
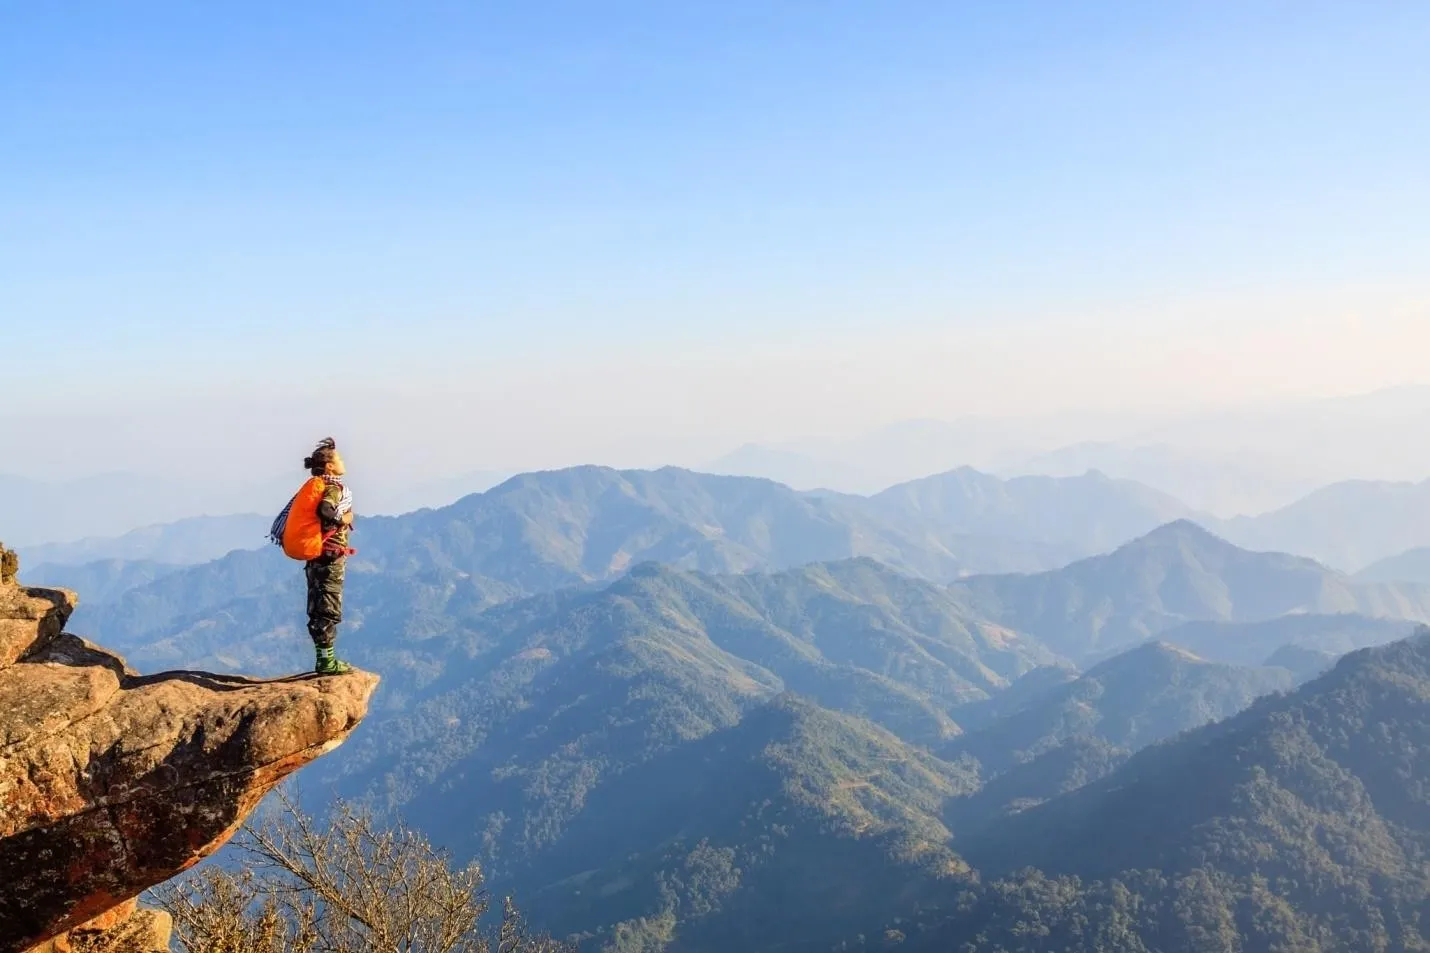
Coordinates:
(1143,696)
(790,827)
(1300,824)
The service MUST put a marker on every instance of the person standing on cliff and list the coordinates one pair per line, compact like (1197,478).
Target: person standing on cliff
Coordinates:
(314,527)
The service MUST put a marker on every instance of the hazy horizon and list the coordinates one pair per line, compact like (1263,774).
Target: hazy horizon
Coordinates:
(1221,462)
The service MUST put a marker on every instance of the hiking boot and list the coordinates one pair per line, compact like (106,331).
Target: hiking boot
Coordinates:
(329,664)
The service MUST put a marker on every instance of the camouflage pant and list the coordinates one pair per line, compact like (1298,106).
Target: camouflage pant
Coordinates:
(325,598)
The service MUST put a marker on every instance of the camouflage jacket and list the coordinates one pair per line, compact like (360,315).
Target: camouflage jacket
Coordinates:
(335,511)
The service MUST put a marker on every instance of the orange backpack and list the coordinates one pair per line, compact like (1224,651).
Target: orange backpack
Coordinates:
(302,534)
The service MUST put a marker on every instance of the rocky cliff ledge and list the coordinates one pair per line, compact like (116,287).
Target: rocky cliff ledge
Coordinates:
(112,782)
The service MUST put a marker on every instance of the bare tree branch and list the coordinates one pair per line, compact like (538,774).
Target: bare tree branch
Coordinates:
(351,886)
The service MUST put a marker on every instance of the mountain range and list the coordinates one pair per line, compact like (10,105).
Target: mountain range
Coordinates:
(185,542)
(1410,566)
(1076,732)
(677,712)
(1298,824)
(660,761)
(1257,643)
(1080,515)
(35,513)
(540,532)
(101,581)
(427,570)
(1135,699)
(1348,525)
(1178,573)
(1223,484)
(613,755)
(508,707)
(1225,462)
(953,523)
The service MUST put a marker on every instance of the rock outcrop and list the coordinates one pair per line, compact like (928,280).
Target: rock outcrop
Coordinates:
(112,782)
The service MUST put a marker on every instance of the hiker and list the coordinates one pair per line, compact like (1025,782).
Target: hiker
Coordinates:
(314,527)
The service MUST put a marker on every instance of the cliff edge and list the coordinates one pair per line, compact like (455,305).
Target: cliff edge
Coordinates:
(112,782)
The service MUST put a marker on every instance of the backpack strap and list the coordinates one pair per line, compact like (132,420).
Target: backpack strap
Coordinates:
(331,548)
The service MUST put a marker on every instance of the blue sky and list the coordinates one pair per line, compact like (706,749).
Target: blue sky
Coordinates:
(713,220)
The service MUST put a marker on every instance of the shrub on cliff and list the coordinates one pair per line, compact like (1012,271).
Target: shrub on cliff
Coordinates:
(349,885)
(9,564)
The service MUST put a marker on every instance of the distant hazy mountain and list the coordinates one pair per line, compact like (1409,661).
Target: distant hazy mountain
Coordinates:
(1303,663)
(1223,486)
(589,523)
(36,512)
(97,582)
(1178,573)
(394,500)
(854,635)
(1224,462)
(1141,697)
(797,470)
(907,450)
(1410,566)
(1082,515)
(189,541)
(541,531)
(1257,643)
(1347,525)
(537,533)
(233,600)
(534,533)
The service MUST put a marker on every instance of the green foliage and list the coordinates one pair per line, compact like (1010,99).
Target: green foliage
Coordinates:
(1301,824)
(541,701)
(1077,732)
(1133,700)
(1071,764)
(795,823)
